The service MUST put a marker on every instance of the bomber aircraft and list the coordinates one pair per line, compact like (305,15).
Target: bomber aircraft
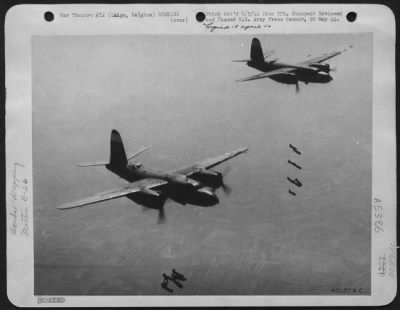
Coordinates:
(194,184)
(312,70)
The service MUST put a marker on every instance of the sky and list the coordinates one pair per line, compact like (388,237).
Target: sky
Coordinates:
(177,94)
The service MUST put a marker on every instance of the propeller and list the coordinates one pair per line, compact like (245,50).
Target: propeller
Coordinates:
(225,187)
(297,87)
(161,215)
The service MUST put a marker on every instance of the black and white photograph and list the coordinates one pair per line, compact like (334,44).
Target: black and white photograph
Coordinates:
(290,215)
(220,162)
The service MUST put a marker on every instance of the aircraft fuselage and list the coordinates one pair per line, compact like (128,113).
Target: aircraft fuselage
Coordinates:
(181,189)
(306,75)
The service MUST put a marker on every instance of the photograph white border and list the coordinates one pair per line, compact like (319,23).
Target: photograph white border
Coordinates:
(24,21)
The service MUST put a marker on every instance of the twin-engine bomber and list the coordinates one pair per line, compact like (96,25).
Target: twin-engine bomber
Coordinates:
(312,70)
(195,184)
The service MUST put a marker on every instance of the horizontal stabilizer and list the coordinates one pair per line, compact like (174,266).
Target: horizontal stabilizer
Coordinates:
(268,54)
(138,152)
(241,60)
(273,60)
(92,164)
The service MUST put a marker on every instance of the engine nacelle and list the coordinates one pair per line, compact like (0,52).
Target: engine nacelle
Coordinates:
(209,178)
(204,196)
(322,67)
(182,180)
(177,178)
(148,200)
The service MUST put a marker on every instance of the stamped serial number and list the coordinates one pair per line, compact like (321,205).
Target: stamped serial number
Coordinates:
(378,216)
(347,290)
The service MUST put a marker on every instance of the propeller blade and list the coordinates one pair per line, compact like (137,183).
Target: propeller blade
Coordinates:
(161,215)
(226,189)
(227,169)
(297,87)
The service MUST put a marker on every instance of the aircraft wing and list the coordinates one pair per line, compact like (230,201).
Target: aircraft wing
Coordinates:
(268,74)
(210,162)
(134,187)
(319,59)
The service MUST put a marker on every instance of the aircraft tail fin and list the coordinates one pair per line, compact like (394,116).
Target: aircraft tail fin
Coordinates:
(117,151)
(256,52)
